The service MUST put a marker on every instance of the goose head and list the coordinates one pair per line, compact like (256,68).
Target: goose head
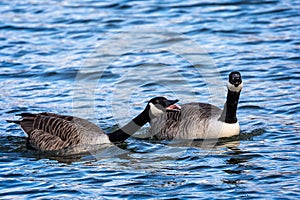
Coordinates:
(159,105)
(235,83)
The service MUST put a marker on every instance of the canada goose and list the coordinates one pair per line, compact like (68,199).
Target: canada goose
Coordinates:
(201,120)
(49,132)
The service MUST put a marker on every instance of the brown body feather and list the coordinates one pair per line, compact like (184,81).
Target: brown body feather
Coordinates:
(52,132)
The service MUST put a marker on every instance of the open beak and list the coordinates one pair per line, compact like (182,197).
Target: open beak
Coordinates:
(171,106)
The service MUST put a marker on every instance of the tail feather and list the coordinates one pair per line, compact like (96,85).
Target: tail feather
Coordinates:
(48,122)
(26,115)
(14,121)
(26,122)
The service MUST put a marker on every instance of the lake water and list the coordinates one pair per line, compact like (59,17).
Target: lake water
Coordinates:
(103,60)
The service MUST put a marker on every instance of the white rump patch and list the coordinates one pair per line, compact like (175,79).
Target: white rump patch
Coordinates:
(232,88)
(155,110)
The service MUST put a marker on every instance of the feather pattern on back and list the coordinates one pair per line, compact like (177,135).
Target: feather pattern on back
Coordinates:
(51,132)
(191,122)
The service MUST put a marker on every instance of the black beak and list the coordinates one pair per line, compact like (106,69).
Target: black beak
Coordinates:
(237,81)
(235,78)
(171,102)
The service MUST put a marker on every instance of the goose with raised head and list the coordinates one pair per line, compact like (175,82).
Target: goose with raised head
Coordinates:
(48,132)
(202,120)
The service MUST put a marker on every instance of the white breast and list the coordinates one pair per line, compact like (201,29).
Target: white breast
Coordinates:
(218,129)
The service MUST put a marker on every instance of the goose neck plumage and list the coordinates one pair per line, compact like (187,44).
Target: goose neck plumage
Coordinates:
(230,107)
(126,131)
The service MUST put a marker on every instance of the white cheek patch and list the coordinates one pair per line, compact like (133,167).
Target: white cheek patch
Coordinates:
(232,88)
(155,111)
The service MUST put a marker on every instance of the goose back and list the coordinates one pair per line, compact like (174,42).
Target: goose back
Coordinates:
(50,132)
(194,121)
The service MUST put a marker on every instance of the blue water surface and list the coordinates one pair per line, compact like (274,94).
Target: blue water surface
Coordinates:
(102,60)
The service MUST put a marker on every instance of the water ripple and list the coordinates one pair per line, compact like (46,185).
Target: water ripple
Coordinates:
(44,45)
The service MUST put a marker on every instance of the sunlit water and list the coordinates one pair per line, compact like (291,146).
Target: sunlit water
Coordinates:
(104,60)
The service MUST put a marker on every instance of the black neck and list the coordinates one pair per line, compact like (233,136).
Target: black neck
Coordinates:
(230,107)
(133,126)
